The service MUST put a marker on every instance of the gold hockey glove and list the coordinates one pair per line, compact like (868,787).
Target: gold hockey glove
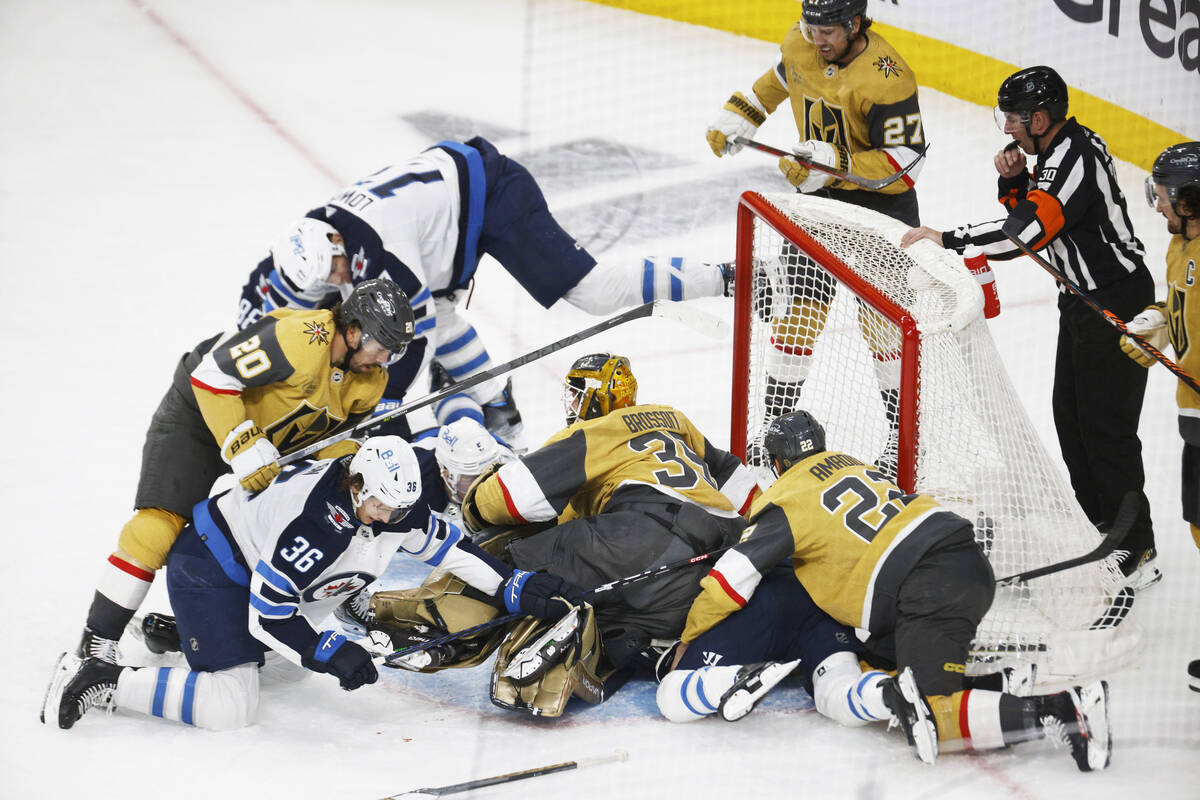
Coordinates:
(1151,325)
(810,180)
(254,460)
(741,117)
(471,515)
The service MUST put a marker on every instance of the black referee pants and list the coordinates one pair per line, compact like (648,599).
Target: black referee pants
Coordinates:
(1097,402)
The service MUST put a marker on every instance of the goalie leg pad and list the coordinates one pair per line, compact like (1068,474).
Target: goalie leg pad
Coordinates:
(574,675)
(445,603)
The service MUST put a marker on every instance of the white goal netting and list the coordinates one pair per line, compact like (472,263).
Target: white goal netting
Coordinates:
(934,407)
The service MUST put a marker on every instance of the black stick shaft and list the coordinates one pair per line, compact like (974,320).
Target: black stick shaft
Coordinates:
(849,177)
(1126,516)
(479,783)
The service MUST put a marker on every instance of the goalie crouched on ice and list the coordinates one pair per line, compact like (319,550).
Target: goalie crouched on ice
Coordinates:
(899,567)
(628,487)
(252,572)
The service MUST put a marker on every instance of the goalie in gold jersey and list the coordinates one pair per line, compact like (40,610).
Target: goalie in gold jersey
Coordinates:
(907,572)
(854,100)
(630,487)
(237,401)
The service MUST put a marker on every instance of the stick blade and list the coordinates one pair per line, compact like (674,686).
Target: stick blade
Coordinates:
(700,321)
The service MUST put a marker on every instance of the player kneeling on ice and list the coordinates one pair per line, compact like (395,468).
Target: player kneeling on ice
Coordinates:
(897,566)
(253,571)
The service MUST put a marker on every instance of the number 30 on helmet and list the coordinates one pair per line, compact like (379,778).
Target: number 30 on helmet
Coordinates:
(596,385)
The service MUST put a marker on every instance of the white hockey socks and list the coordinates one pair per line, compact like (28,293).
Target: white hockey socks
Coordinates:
(614,285)
(218,701)
(689,694)
(846,694)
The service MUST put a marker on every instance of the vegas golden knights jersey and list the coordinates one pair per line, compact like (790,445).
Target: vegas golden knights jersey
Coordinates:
(868,106)
(851,534)
(1183,321)
(277,373)
(576,472)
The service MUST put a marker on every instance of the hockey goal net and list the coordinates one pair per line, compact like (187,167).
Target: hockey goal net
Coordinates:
(889,348)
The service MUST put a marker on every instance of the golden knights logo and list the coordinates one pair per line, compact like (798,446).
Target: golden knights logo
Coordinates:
(825,122)
(1177,320)
(316,332)
(888,66)
(302,426)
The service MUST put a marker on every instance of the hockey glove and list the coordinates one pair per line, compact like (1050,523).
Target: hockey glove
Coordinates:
(254,460)
(347,661)
(809,180)
(1151,325)
(740,117)
(471,516)
(538,594)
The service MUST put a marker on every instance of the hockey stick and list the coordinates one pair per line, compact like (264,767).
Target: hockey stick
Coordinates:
(848,177)
(1112,318)
(700,321)
(1126,515)
(479,783)
(391,658)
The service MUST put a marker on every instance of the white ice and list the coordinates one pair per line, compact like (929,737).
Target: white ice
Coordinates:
(150,150)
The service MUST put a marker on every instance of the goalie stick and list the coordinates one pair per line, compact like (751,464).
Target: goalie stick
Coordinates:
(848,177)
(509,777)
(1126,515)
(1112,318)
(694,318)
(393,659)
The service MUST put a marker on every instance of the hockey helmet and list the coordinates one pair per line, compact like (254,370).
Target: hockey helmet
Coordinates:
(791,438)
(382,312)
(832,12)
(390,473)
(596,385)
(464,449)
(304,254)
(1177,168)
(1029,90)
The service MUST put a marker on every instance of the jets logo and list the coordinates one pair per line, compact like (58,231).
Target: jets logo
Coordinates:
(358,265)
(888,66)
(338,517)
(316,332)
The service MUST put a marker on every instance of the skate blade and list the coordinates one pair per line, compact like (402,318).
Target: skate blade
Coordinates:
(64,670)
(547,650)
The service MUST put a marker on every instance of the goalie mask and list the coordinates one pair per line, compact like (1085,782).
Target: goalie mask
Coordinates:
(304,255)
(792,438)
(596,385)
(464,449)
(390,474)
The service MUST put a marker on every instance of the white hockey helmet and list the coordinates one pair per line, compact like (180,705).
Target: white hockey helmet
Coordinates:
(464,449)
(304,255)
(390,474)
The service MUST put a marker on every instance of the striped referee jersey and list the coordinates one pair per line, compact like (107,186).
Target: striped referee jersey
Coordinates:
(1070,209)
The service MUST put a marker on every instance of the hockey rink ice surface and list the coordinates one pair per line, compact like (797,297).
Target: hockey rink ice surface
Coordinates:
(150,152)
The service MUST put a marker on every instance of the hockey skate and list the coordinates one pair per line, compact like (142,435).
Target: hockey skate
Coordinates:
(501,417)
(451,651)
(1194,675)
(1079,719)
(545,651)
(912,713)
(93,646)
(1139,569)
(753,681)
(355,613)
(78,686)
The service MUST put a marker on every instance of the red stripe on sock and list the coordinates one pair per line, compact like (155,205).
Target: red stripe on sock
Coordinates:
(724,584)
(964,725)
(135,571)
(791,350)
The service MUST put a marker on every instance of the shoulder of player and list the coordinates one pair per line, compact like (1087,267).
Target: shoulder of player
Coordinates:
(646,417)
(327,509)
(304,335)
(891,78)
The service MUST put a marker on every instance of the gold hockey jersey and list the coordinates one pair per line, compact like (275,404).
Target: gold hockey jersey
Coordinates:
(1183,319)
(868,106)
(576,472)
(851,534)
(277,373)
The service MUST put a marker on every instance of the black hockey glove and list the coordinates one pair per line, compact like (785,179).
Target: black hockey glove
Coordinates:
(538,594)
(335,654)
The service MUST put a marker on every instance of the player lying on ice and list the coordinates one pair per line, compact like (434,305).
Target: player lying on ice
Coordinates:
(622,489)
(898,566)
(251,573)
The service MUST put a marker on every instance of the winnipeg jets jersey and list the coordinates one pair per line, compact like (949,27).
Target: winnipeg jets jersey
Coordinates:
(303,551)
(577,471)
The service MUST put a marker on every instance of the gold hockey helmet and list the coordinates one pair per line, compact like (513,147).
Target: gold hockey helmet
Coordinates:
(597,384)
